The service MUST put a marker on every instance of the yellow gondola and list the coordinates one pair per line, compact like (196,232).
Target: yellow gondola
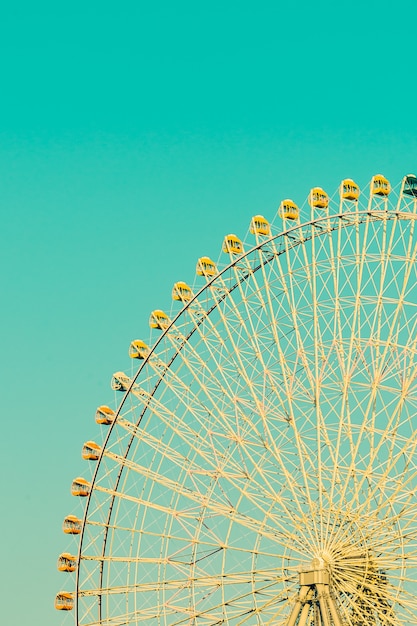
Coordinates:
(349,190)
(120,381)
(91,451)
(80,487)
(181,291)
(159,319)
(288,210)
(318,198)
(380,186)
(138,349)
(72,525)
(64,601)
(232,245)
(105,415)
(205,267)
(67,562)
(260,226)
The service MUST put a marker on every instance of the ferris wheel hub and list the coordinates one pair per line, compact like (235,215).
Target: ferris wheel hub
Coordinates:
(316,576)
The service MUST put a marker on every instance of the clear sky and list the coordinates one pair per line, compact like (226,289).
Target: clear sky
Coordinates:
(133,136)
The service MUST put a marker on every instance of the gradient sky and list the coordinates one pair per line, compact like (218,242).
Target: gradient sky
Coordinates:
(133,137)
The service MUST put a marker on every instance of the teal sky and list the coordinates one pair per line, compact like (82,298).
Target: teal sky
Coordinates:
(133,137)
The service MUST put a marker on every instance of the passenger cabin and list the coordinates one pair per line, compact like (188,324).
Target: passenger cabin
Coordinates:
(159,319)
(91,451)
(80,487)
(318,198)
(410,185)
(288,210)
(182,292)
(232,245)
(380,186)
(64,601)
(67,562)
(349,190)
(105,415)
(138,349)
(206,267)
(72,525)
(120,382)
(260,226)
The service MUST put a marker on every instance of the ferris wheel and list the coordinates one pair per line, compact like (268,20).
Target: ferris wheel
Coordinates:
(261,464)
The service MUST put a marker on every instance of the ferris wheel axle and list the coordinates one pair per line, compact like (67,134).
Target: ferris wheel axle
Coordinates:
(315,595)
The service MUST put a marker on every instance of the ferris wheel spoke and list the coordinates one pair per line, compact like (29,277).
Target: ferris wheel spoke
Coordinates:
(275,528)
(198,496)
(236,352)
(287,281)
(319,329)
(350,281)
(238,605)
(265,578)
(255,485)
(282,467)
